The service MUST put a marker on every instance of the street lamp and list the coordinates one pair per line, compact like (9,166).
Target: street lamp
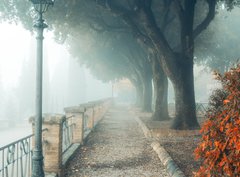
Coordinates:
(40,7)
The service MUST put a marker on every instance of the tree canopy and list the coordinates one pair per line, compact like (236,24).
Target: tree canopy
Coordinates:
(119,36)
(218,48)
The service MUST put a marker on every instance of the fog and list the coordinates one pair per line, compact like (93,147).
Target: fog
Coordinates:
(65,81)
(204,85)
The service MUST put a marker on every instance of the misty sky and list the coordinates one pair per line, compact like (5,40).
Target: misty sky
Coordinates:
(16,44)
(18,48)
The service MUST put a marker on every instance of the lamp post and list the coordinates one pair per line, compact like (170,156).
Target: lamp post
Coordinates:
(40,7)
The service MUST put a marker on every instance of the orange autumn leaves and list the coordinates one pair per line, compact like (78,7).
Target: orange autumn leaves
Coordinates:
(219,147)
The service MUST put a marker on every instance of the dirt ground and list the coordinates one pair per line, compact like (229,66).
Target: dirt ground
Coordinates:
(180,144)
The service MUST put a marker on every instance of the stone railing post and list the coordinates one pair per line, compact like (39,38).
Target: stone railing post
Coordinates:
(93,106)
(102,108)
(96,113)
(52,142)
(77,114)
(90,113)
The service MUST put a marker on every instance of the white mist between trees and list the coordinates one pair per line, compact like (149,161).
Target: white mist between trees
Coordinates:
(65,82)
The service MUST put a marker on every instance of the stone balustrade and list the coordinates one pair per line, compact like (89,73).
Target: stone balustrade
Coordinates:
(76,113)
(77,123)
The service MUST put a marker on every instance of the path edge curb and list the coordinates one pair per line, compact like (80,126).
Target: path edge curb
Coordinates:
(147,133)
(171,167)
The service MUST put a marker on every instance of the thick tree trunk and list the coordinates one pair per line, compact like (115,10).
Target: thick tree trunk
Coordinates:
(147,93)
(139,96)
(185,98)
(183,79)
(139,90)
(180,74)
(161,92)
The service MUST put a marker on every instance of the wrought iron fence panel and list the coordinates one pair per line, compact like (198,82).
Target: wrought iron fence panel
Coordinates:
(201,108)
(67,134)
(15,158)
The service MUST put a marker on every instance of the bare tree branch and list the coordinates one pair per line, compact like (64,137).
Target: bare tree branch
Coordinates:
(100,25)
(180,11)
(167,19)
(210,16)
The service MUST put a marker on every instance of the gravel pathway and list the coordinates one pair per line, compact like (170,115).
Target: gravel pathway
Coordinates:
(116,148)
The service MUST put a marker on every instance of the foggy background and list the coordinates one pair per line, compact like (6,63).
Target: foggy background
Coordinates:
(67,83)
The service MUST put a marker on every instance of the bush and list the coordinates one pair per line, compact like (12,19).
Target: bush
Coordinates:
(219,147)
(216,100)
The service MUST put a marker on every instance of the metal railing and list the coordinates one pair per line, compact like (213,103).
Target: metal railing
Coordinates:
(16,158)
(201,108)
(67,133)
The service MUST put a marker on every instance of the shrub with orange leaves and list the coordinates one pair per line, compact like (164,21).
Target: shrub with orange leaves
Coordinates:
(219,147)
(216,100)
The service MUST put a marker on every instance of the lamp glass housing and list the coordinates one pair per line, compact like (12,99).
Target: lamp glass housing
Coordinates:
(42,5)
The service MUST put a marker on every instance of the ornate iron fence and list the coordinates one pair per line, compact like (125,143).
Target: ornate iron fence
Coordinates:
(67,133)
(16,158)
(201,108)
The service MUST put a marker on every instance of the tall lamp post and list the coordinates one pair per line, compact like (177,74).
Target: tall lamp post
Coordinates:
(40,7)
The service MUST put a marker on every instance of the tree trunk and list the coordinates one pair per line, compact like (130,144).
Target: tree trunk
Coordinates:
(139,90)
(184,98)
(183,79)
(139,96)
(180,74)
(161,92)
(147,93)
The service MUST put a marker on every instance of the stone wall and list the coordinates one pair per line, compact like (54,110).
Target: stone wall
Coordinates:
(80,118)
